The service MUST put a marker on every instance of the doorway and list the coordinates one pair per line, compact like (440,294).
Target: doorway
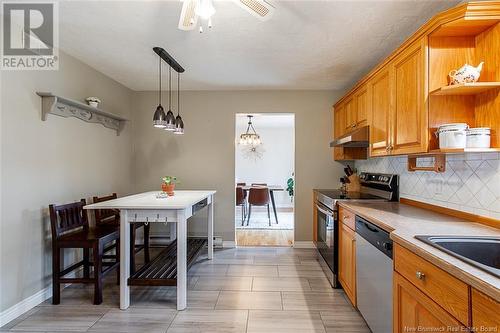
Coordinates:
(264,179)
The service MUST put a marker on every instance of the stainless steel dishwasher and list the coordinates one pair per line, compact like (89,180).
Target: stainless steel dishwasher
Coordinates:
(374,275)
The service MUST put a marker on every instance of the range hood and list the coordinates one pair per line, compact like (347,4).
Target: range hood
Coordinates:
(357,138)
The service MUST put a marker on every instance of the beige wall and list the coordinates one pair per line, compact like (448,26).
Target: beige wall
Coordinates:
(57,161)
(204,157)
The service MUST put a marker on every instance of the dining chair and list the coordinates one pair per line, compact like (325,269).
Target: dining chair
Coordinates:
(70,229)
(241,201)
(258,196)
(111,217)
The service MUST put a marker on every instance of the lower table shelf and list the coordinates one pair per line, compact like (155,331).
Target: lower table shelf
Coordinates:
(162,270)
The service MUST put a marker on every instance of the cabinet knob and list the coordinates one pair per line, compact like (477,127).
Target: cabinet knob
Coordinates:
(353,125)
(420,275)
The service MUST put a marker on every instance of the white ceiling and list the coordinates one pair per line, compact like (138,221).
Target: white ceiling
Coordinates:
(306,44)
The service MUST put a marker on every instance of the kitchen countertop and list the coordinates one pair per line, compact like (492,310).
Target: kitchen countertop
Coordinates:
(404,222)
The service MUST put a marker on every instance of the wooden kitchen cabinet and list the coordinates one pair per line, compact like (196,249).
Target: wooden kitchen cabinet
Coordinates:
(485,312)
(338,129)
(347,257)
(445,289)
(350,114)
(413,311)
(379,94)
(409,116)
(362,106)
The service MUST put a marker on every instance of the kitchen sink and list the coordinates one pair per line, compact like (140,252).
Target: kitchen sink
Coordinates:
(481,252)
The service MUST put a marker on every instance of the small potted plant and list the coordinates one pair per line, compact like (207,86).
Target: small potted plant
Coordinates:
(93,101)
(168,184)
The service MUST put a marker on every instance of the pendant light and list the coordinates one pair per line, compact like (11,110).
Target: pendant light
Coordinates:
(170,119)
(250,137)
(179,124)
(159,116)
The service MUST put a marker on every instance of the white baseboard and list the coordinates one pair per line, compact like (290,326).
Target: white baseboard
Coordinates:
(30,302)
(25,305)
(304,245)
(228,244)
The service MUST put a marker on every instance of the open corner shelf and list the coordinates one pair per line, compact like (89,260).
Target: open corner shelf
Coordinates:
(465,89)
(65,107)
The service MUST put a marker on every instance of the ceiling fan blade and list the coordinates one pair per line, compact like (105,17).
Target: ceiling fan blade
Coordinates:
(188,18)
(258,8)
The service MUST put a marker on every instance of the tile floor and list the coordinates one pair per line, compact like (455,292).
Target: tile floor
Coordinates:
(241,290)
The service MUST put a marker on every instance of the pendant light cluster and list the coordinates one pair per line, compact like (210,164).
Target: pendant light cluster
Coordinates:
(250,137)
(168,121)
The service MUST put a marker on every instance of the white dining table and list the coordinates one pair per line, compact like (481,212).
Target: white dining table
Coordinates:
(149,208)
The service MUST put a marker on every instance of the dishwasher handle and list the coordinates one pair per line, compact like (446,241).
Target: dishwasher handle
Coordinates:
(375,235)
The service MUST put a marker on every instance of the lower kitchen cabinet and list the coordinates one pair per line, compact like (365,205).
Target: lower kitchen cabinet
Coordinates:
(415,312)
(347,257)
(485,313)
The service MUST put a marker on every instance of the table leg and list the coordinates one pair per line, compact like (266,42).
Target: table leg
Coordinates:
(173,231)
(181,260)
(211,229)
(124,260)
(274,206)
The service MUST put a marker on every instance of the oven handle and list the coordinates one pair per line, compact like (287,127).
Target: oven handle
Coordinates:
(324,211)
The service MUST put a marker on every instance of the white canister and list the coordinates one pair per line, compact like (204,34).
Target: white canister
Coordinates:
(452,136)
(478,137)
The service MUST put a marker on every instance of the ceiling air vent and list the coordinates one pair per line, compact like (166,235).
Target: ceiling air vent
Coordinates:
(261,9)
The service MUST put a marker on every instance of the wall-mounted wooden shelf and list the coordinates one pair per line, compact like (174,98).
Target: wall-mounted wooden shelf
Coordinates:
(464,150)
(466,88)
(439,163)
(65,107)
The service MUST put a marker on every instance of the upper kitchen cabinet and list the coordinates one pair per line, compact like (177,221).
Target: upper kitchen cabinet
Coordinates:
(350,113)
(409,115)
(379,98)
(362,105)
(407,96)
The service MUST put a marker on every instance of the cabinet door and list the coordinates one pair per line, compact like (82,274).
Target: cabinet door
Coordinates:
(338,130)
(409,118)
(415,312)
(350,114)
(347,261)
(485,312)
(379,94)
(339,121)
(362,106)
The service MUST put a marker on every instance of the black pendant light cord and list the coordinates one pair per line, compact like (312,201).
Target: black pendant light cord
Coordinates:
(178,93)
(170,88)
(159,90)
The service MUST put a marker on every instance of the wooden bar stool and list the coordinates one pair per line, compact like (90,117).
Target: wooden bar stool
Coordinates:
(70,229)
(111,218)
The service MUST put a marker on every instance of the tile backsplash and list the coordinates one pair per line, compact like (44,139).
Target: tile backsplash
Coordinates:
(471,182)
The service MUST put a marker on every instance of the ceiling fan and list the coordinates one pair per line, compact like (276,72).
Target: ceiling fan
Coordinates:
(192,10)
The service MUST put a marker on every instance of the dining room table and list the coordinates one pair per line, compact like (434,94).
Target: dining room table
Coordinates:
(272,189)
(170,267)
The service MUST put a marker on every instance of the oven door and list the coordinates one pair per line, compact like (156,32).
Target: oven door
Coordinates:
(326,234)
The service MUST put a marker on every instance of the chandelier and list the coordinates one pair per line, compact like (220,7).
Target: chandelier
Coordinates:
(250,137)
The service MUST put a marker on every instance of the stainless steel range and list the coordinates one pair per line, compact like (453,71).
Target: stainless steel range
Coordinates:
(374,187)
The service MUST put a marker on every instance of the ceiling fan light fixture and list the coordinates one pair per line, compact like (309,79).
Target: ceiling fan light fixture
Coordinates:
(205,9)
